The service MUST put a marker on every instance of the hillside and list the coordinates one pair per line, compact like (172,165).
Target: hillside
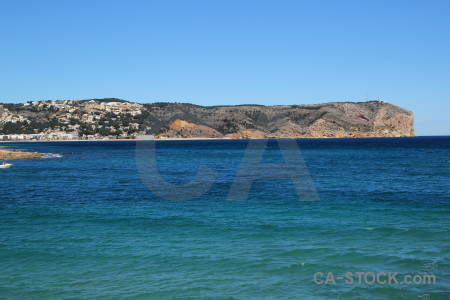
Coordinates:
(115,118)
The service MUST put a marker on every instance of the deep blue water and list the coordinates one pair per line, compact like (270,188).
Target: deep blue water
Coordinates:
(82,223)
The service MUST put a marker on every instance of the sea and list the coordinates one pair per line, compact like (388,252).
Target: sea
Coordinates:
(227,219)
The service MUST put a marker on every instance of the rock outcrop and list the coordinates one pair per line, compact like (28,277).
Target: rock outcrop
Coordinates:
(6,154)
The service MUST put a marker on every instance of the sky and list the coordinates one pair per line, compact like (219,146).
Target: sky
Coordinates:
(231,52)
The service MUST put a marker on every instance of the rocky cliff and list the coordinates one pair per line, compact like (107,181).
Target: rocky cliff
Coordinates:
(340,119)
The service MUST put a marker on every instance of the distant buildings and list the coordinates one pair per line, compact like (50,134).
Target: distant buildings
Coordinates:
(71,120)
(58,136)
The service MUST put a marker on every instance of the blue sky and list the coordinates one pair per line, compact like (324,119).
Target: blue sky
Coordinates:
(231,52)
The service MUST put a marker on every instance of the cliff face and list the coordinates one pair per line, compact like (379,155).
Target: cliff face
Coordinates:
(183,129)
(345,119)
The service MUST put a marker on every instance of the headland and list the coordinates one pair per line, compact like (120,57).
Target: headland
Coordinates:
(116,119)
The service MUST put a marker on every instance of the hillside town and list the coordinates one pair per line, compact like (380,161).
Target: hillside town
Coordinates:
(71,120)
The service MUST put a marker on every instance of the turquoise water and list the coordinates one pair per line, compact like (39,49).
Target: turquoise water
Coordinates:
(80,223)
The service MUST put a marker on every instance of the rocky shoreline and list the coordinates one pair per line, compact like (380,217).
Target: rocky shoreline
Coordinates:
(7,154)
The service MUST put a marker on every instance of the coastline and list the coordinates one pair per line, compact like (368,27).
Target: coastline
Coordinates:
(208,139)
